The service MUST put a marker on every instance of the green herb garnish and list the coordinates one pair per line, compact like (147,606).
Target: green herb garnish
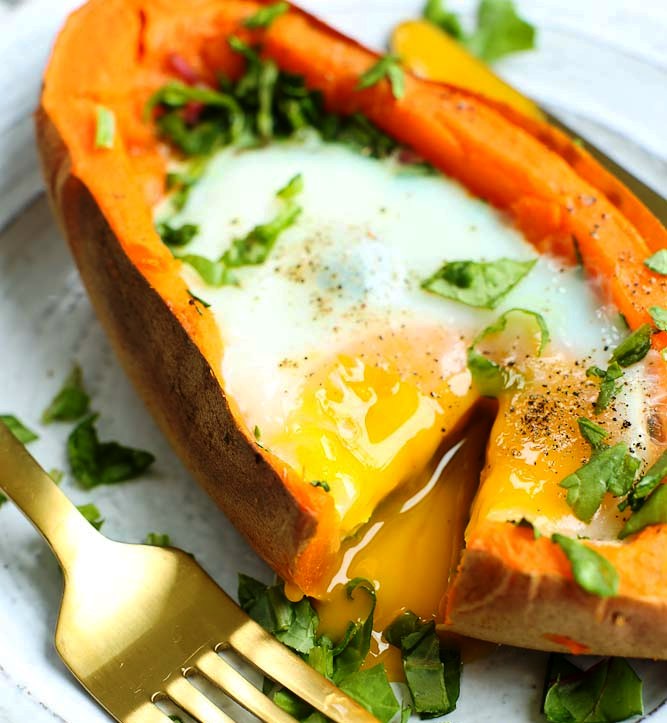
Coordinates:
(56,475)
(659,316)
(658,262)
(611,469)
(634,347)
(608,386)
(71,402)
(489,376)
(292,188)
(18,429)
(266,15)
(650,480)
(500,31)
(652,512)
(92,514)
(196,300)
(389,67)
(177,235)
(593,433)
(157,539)
(523,522)
(592,572)
(214,273)
(482,284)
(295,624)
(433,674)
(100,463)
(608,691)
(321,483)
(105,127)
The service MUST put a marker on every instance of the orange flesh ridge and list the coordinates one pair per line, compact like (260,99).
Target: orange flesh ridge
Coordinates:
(497,155)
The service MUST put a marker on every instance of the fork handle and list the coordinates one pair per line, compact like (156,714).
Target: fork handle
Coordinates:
(41,501)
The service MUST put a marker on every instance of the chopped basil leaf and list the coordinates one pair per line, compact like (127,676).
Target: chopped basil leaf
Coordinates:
(292,188)
(652,512)
(18,429)
(214,273)
(56,475)
(591,571)
(490,377)
(99,463)
(432,674)
(180,183)
(371,688)
(177,235)
(156,539)
(659,316)
(608,386)
(610,469)
(92,514)
(607,691)
(482,284)
(254,248)
(634,347)
(321,483)
(105,127)
(593,433)
(651,479)
(658,262)
(71,402)
(500,31)
(388,66)
(350,654)
(266,15)
(435,12)
(196,300)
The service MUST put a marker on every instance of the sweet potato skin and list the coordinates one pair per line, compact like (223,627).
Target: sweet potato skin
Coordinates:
(169,371)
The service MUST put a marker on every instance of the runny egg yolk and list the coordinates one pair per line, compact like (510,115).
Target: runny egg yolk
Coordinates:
(367,424)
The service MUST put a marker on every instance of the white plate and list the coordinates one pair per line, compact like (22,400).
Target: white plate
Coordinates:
(602,65)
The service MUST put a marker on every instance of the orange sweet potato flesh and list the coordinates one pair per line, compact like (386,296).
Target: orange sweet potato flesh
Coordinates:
(116,53)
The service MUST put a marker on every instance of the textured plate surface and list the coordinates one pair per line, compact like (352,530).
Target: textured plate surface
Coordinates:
(601,65)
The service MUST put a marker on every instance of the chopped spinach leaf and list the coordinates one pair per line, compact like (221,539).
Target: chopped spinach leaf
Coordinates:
(214,273)
(650,480)
(157,539)
(634,347)
(265,16)
(92,514)
(371,688)
(658,262)
(18,429)
(98,463)
(71,402)
(593,433)
(591,571)
(659,316)
(389,67)
(433,675)
(177,235)
(489,376)
(482,284)
(105,127)
(608,691)
(352,651)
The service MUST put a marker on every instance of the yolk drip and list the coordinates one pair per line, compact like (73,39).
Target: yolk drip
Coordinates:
(366,425)
(411,546)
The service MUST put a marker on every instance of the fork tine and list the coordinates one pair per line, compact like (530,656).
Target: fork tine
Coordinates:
(219,672)
(282,665)
(194,702)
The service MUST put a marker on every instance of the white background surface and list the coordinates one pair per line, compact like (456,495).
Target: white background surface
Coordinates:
(601,64)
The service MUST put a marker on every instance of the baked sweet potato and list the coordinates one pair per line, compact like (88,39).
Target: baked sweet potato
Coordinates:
(510,587)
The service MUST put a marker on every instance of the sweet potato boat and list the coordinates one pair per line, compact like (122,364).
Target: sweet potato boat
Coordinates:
(510,588)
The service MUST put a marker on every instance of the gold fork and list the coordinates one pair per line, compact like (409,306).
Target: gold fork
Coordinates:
(136,621)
